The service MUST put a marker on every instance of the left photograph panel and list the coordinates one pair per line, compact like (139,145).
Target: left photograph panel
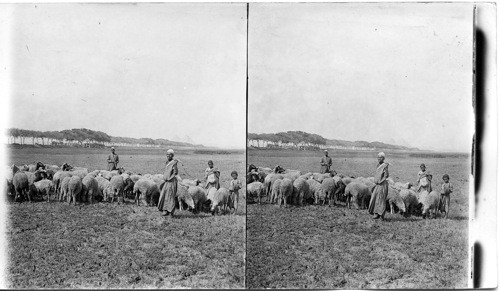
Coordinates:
(124,144)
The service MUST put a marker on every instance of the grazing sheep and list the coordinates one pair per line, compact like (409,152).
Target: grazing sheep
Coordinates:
(44,186)
(199,197)
(394,199)
(410,200)
(265,170)
(117,185)
(183,196)
(255,189)
(90,189)
(54,168)
(102,183)
(430,201)
(301,191)
(275,191)
(269,181)
(291,174)
(371,185)
(188,182)
(221,200)
(146,190)
(316,191)
(148,176)
(357,192)
(31,177)
(106,174)
(135,177)
(63,191)
(129,187)
(21,186)
(74,189)
(158,180)
(253,177)
(328,186)
(306,176)
(81,172)
(320,177)
(285,191)
(402,186)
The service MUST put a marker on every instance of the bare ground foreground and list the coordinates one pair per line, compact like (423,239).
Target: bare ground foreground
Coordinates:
(110,245)
(335,247)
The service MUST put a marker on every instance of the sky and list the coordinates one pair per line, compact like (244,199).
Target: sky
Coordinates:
(132,70)
(389,72)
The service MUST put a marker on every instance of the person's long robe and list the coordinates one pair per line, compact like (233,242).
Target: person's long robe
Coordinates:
(169,190)
(212,177)
(326,163)
(379,194)
(424,181)
(113,161)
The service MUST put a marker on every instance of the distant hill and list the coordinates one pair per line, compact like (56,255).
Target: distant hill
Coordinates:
(83,136)
(304,140)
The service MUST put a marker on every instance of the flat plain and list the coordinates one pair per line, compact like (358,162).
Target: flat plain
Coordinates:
(334,247)
(110,245)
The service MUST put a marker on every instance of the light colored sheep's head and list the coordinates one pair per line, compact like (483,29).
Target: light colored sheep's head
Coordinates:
(400,204)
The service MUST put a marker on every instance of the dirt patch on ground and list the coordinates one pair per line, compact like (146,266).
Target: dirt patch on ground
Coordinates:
(54,245)
(323,247)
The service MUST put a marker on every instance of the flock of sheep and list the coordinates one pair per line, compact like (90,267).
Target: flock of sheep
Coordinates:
(77,184)
(292,187)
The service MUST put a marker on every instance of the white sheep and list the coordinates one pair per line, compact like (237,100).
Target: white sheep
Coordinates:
(44,186)
(90,188)
(430,201)
(357,192)
(410,199)
(74,189)
(316,190)
(329,186)
(117,185)
(269,181)
(147,191)
(394,199)
(301,191)
(255,189)
(285,191)
(275,191)
(220,200)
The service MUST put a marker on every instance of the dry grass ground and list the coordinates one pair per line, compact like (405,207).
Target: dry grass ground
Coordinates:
(54,245)
(322,247)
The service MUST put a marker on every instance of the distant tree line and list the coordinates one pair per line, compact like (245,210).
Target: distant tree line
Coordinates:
(78,135)
(81,136)
(294,138)
(304,140)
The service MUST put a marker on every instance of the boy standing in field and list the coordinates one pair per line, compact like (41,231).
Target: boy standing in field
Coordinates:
(446,190)
(234,187)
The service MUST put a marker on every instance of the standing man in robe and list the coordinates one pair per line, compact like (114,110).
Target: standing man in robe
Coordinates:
(166,203)
(379,193)
(326,163)
(113,160)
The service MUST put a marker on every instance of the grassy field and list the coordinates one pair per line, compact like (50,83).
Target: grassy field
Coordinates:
(322,247)
(54,245)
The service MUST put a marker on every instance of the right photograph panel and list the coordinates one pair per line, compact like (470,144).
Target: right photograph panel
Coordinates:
(360,126)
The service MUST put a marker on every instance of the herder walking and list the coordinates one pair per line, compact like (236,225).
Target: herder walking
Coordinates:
(166,202)
(379,193)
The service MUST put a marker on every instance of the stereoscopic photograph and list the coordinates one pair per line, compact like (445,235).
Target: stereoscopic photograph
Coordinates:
(360,126)
(125,145)
(248,145)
